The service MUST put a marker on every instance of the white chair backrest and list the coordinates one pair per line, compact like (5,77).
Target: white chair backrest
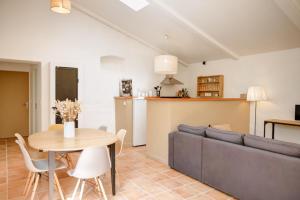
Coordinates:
(102,128)
(21,139)
(121,136)
(28,162)
(92,162)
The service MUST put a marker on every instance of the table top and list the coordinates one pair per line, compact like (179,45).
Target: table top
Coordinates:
(84,138)
(285,122)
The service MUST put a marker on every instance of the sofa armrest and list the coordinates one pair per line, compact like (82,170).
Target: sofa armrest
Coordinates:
(187,154)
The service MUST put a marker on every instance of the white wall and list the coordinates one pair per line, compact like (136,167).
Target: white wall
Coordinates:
(277,72)
(29,31)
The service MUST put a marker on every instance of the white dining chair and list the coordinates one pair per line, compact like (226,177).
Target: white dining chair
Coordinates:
(62,155)
(37,167)
(88,167)
(121,137)
(34,155)
(21,139)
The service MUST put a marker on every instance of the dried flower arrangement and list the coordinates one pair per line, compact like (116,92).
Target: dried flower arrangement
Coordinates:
(67,110)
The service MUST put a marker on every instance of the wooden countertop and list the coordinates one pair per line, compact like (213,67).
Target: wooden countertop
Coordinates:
(283,122)
(186,99)
(193,99)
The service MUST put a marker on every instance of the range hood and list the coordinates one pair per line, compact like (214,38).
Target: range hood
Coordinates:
(170,80)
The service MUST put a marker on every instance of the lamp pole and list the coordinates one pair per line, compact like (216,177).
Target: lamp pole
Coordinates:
(255,118)
(256,93)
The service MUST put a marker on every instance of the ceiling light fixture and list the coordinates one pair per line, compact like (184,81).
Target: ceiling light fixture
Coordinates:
(61,6)
(135,5)
(167,64)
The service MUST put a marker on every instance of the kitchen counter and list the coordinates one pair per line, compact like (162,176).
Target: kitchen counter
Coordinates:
(185,99)
(193,99)
(165,114)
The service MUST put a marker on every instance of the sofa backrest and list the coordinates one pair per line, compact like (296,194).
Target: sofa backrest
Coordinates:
(227,136)
(286,148)
(196,130)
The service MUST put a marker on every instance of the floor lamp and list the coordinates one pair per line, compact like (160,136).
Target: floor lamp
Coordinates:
(255,94)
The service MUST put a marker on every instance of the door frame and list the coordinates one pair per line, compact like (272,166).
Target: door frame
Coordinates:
(52,84)
(33,68)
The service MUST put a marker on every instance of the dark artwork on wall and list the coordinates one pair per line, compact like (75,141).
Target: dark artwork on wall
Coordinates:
(297,112)
(126,88)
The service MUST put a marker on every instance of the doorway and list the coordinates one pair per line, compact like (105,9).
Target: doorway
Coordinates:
(66,86)
(33,102)
(14,103)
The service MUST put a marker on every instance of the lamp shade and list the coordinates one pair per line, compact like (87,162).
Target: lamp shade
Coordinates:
(256,93)
(165,64)
(61,6)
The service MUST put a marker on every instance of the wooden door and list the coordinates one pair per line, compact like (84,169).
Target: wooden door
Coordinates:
(66,86)
(14,103)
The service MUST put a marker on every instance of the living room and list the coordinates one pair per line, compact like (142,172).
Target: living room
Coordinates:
(248,43)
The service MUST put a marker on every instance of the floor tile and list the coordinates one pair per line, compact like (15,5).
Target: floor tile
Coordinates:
(138,177)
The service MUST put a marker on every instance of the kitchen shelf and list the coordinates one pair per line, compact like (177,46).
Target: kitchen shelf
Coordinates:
(210,86)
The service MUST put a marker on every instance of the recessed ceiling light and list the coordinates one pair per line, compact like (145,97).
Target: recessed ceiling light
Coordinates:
(135,5)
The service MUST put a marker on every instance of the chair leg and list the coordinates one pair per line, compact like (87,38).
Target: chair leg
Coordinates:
(35,186)
(30,184)
(81,190)
(27,181)
(59,156)
(97,184)
(102,189)
(59,187)
(69,161)
(66,158)
(75,190)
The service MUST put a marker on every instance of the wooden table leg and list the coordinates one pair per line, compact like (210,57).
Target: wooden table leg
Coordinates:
(51,164)
(113,167)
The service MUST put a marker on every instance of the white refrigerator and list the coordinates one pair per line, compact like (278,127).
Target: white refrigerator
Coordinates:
(139,121)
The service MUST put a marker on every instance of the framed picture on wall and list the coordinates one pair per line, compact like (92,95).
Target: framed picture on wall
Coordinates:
(126,88)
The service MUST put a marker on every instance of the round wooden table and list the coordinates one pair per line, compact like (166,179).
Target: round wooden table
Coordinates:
(54,141)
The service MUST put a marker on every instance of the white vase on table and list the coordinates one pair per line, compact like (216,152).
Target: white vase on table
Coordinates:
(69,129)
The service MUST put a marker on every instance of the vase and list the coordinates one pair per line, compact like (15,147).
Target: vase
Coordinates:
(69,129)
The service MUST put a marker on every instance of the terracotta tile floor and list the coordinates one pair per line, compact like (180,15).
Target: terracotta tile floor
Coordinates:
(138,178)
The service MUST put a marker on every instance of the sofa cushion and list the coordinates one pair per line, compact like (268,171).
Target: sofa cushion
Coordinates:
(227,136)
(286,148)
(196,130)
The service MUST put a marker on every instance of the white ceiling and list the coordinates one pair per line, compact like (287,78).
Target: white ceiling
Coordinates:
(201,30)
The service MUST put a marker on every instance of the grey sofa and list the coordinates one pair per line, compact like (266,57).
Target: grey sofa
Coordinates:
(246,167)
